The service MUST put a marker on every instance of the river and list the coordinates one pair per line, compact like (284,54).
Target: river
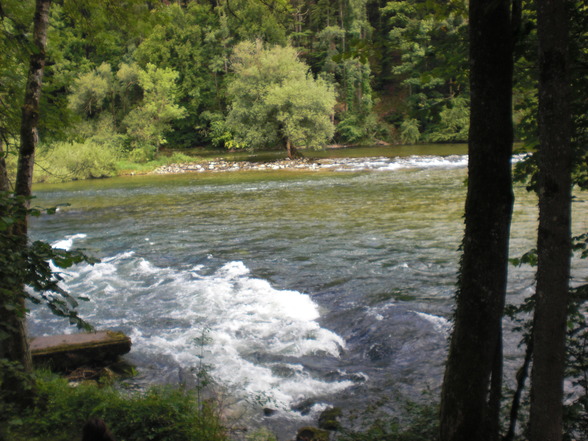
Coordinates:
(296,289)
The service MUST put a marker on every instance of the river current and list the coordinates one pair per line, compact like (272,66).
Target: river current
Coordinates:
(296,289)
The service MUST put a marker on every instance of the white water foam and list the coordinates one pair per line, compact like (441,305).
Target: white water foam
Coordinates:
(67,243)
(402,162)
(253,332)
(440,324)
(396,163)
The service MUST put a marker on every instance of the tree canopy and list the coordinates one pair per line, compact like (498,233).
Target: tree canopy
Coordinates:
(274,100)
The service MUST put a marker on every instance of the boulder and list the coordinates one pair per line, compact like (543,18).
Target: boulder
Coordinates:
(67,352)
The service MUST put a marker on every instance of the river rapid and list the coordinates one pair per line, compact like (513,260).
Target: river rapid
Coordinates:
(296,290)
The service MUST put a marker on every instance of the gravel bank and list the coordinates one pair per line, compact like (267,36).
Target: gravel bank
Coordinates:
(220,165)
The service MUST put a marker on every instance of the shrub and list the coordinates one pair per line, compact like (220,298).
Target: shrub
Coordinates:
(409,131)
(420,424)
(163,413)
(66,161)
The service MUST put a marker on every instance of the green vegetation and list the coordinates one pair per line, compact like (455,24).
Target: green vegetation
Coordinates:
(275,102)
(122,81)
(419,424)
(170,414)
(125,79)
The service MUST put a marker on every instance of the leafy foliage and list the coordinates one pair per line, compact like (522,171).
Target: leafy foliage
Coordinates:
(169,414)
(432,47)
(420,425)
(274,100)
(30,265)
(147,123)
(576,406)
(140,102)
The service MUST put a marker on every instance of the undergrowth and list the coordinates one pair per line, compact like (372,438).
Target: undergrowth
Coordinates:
(158,414)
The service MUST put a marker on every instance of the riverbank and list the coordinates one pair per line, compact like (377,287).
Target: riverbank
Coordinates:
(342,158)
(334,164)
(222,165)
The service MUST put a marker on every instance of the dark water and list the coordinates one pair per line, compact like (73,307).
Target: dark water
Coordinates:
(310,288)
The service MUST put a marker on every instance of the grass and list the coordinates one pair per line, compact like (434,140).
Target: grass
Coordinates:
(158,414)
(128,167)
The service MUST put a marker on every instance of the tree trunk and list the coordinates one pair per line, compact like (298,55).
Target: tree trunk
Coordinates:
(554,235)
(473,375)
(4,182)
(16,347)
(30,110)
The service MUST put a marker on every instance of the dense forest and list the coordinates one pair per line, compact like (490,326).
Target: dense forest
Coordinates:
(124,79)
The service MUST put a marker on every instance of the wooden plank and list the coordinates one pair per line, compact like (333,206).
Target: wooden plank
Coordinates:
(69,351)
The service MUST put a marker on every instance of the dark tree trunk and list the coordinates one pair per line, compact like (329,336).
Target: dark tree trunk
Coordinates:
(553,241)
(4,182)
(292,152)
(30,110)
(473,375)
(16,347)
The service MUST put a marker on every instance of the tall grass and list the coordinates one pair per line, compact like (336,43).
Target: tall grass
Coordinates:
(69,161)
(158,414)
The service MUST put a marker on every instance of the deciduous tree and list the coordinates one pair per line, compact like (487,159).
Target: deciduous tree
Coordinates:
(470,400)
(14,345)
(554,233)
(275,101)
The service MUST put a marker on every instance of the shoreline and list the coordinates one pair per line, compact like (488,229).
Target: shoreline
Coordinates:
(228,166)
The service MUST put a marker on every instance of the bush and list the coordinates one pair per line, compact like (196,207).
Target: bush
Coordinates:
(142,154)
(67,161)
(420,424)
(409,131)
(360,129)
(166,414)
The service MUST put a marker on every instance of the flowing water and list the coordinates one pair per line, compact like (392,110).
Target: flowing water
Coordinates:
(297,289)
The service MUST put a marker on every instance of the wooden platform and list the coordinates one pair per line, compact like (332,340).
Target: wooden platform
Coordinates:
(69,351)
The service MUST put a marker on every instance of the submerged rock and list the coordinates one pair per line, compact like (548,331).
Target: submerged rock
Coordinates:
(66,352)
(303,407)
(268,412)
(312,434)
(329,419)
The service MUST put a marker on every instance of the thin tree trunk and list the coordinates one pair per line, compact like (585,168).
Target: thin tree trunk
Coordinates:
(30,110)
(16,347)
(4,182)
(521,376)
(473,377)
(554,234)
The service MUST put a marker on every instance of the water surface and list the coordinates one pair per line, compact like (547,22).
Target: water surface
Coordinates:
(298,289)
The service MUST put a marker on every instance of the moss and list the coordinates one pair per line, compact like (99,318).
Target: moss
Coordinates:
(329,419)
(312,434)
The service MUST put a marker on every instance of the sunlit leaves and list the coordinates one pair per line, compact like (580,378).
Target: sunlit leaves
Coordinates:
(274,100)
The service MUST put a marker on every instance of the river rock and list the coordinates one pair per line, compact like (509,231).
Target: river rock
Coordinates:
(329,419)
(66,352)
(312,434)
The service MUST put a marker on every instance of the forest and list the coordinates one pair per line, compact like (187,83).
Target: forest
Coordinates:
(130,80)
(126,79)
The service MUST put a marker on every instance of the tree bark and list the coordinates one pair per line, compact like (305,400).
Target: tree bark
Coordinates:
(4,182)
(554,234)
(473,375)
(30,110)
(15,348)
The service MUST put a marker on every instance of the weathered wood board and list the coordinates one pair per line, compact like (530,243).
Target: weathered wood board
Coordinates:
(68,351)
